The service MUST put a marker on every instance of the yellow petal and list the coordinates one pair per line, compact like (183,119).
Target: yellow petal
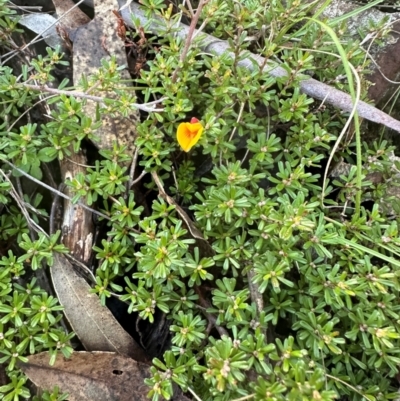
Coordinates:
(188,134)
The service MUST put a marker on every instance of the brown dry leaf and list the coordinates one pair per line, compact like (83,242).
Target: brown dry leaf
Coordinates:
(92,376)
(93,323)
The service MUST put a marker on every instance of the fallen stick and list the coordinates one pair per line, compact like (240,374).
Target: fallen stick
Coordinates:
(310,87)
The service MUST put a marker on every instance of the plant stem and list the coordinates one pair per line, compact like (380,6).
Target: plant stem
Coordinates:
(147,107)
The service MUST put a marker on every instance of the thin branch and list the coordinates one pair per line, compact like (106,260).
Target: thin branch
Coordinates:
(346,384)
(189,36)
(190,7)
(54,190)
(143,173)
(43,99)
(204,305)
(192,29)
(246,397)
(32,9)
(98,99)
(202,26)
(54,211)
(39,36)
(194,394)
(234,129)
(14,194)
(133,168)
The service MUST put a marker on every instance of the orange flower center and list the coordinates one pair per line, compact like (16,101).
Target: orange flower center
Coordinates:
(191,134)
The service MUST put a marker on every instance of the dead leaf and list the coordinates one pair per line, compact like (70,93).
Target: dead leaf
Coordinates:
(92,376)
(93,323)
(44,25)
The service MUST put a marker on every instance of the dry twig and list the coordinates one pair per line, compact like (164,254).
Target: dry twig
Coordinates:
(147,107)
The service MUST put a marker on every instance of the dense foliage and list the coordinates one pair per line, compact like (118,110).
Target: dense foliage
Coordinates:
(301,280)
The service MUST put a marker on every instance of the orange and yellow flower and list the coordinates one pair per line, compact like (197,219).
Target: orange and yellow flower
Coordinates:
(188,134)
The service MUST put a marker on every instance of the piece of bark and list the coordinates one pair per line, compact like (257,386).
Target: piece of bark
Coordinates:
(77,230)
(387,56)
(388,69)
(77,226)
(93,42)
(70,17)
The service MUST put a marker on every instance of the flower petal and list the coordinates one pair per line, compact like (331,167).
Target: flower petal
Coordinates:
(188,134)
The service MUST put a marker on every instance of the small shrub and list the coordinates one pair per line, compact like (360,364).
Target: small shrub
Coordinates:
(301,281)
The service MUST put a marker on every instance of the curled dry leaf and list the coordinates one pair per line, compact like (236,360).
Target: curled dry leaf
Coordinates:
(93,323)
(92,376)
